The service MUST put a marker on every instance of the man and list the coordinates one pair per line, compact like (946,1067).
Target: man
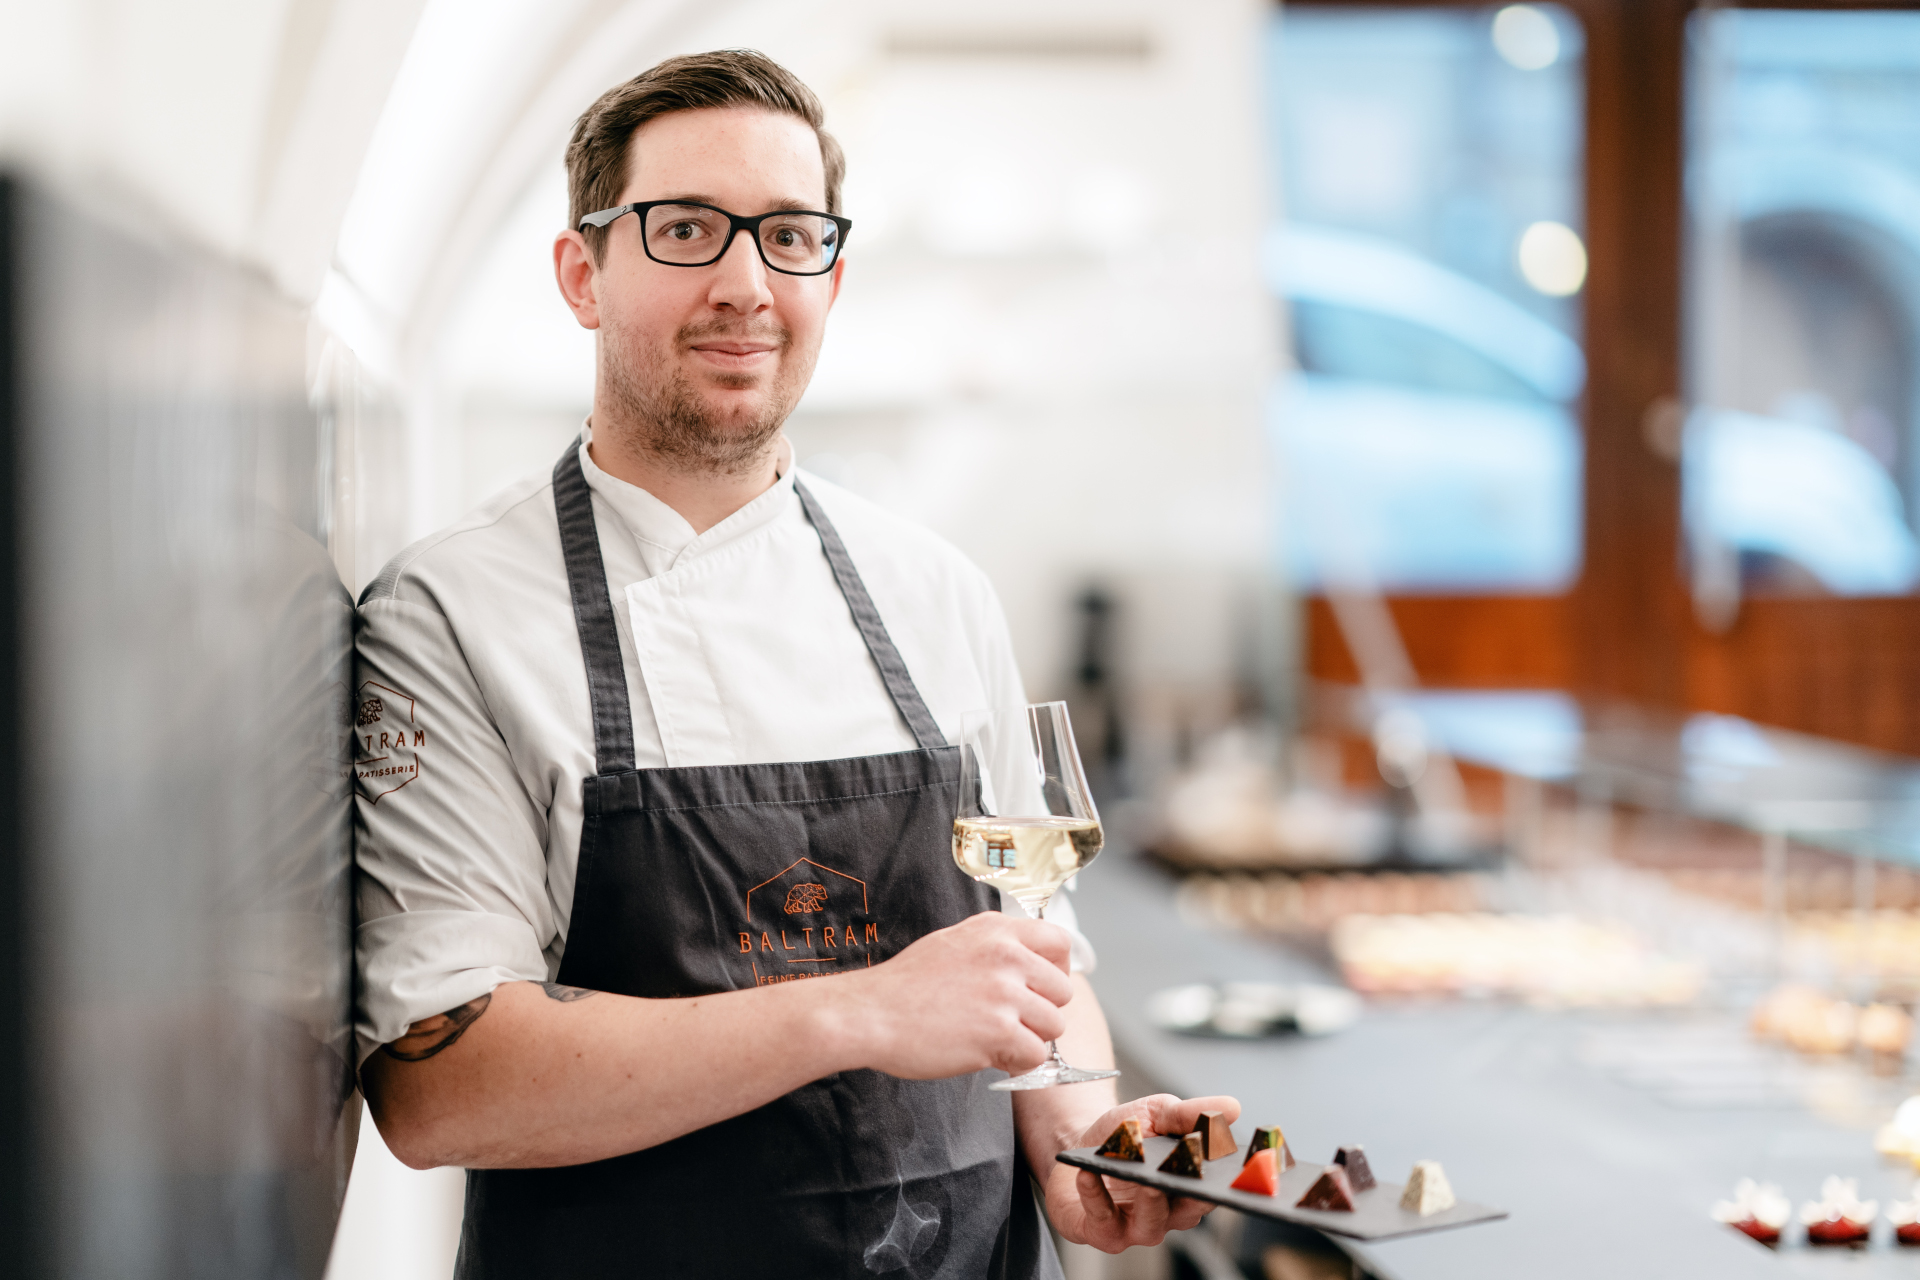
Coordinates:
(590,868)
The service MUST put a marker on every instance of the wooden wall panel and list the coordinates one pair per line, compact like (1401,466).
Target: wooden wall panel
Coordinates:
(1484,642)
(1846,669)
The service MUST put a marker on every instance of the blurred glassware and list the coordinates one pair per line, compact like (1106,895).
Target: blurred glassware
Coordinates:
(1250,1010)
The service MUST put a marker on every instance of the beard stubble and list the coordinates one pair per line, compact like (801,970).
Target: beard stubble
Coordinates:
(659,411)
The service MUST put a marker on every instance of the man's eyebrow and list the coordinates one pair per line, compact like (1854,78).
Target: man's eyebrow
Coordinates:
(788,205)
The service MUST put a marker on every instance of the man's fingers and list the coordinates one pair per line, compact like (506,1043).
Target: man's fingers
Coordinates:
(1147,1217)
(1184,1214)
(1046,981)
(1096,1202)
(1042,1017)
(1049,941)
(1023,1051)
(1182,1115)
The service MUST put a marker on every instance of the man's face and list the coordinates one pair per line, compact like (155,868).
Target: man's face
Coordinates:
(705,363)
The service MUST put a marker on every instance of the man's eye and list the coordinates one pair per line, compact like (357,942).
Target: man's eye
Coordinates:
(683,230)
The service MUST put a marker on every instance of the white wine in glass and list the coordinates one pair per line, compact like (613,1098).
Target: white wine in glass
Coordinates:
(1026,824)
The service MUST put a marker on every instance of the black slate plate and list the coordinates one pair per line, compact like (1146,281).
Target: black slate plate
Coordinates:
(1377,1213)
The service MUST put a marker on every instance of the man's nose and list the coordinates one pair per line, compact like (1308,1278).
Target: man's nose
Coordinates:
(740,278)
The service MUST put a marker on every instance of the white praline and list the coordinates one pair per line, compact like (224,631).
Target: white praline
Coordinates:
(1427,1190)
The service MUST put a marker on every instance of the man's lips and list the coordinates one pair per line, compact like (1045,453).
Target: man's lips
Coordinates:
(735,355)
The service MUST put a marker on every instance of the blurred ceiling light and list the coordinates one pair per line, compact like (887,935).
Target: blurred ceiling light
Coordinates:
(1552,259)
(1114,45)
(1526,37)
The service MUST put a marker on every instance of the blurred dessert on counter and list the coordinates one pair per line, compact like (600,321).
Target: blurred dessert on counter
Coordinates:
(1289,902)
(1760,1210)
(1809,1020)
(1881,945)
(1555,961)
(1839,1216)
(1899,1138)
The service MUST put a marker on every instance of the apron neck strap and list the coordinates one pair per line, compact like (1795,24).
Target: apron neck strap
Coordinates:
(906,695)
(593,616)
(600,636)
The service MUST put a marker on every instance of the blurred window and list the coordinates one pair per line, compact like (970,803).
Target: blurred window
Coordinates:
(1801,468)
(1431,263)
(1348,342)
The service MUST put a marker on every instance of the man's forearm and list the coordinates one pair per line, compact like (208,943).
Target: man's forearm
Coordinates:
(543,1076)
(536,1075)
(1051,1120)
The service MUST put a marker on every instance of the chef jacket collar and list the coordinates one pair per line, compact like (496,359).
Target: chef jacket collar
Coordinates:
(658,525)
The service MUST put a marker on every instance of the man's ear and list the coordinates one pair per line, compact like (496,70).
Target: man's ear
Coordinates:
(579,282)
(833,289)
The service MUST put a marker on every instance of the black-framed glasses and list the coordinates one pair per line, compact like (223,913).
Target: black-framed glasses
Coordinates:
(680,233)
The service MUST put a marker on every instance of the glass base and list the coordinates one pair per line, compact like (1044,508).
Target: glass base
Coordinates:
(1049,1074)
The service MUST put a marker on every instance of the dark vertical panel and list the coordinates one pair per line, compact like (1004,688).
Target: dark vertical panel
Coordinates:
(18,1250)
(182,700)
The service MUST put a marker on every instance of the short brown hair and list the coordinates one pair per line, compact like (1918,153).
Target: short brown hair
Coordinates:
(597,152)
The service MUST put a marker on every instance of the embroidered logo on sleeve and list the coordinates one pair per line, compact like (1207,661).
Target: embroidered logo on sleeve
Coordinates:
(388,740)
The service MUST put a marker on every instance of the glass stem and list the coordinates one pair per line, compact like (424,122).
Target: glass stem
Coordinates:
(1053,1046)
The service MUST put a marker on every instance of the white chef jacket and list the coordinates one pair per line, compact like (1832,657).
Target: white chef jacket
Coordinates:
(474,726)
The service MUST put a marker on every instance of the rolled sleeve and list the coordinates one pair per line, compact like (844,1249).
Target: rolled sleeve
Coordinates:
(449,846)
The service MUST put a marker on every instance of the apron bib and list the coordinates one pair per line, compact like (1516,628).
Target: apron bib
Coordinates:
(694,881)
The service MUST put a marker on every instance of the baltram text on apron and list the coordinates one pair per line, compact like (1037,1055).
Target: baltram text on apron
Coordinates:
(700,880)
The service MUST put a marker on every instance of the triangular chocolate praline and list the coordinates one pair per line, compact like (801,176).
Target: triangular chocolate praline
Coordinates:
(1124,1143)
(1329,1191)
(1185,1159)
(1354,1161)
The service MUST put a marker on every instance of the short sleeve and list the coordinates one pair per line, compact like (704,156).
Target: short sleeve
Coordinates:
(450,849)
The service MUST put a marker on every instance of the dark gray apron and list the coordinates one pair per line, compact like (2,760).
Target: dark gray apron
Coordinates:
(700,880)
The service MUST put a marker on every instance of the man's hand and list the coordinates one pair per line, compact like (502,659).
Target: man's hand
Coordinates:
(986,992)
(1111,1214)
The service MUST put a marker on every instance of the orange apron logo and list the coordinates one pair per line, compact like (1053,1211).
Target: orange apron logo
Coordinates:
(807,922)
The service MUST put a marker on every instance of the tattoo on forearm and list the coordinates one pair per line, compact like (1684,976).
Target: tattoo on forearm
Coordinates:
(564,994)
(430,1035)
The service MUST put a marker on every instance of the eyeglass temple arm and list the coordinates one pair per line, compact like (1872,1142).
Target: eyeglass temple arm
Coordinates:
(605,216)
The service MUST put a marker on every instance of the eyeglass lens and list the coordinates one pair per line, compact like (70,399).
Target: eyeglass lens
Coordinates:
(688,235)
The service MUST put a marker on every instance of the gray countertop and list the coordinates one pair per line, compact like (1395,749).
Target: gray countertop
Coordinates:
(1603,1178)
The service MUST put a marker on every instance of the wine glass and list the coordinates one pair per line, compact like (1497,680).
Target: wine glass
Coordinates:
(1026,823)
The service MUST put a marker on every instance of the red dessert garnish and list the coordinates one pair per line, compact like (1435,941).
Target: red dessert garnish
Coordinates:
(1329,1191)
(1907,1233)
(1261,1174)
(1759,1230)
(1837,1231)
